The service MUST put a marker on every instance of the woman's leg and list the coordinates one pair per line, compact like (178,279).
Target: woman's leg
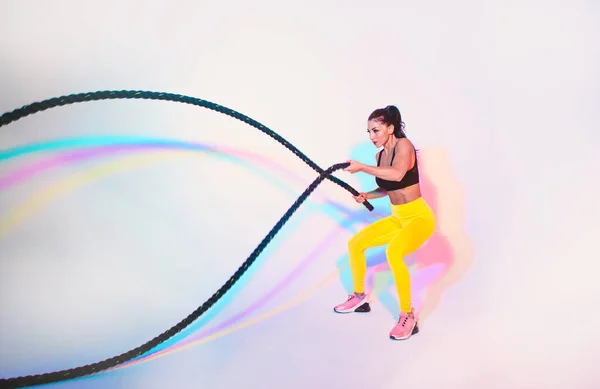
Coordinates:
(414,234)
(376,234)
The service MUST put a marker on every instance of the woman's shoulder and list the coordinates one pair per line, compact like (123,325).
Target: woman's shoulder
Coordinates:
(404,142)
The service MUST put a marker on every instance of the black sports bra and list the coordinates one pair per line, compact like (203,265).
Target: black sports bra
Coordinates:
(410,178)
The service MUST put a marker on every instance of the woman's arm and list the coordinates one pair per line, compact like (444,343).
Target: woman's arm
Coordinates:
(375,194)
(392,173)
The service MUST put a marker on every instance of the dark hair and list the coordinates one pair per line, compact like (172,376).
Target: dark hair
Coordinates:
(390,115)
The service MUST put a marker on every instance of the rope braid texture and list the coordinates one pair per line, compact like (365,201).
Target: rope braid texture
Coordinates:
(24,381)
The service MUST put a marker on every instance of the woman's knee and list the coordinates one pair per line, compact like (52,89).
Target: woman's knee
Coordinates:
(395,254)
(355,243)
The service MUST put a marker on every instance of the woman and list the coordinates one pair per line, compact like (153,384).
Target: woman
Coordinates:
(409,226)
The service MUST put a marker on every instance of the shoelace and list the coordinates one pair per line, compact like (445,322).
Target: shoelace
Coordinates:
(403,320)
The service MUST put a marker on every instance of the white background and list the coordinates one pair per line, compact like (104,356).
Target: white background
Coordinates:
(500,97)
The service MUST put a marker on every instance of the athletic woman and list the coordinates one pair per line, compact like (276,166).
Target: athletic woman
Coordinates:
(409,226)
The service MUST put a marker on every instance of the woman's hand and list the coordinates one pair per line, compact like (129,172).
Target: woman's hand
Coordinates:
(361,198)
(354,166)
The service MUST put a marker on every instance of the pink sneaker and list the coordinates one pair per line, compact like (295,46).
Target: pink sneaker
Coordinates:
(406,327)
(354,304)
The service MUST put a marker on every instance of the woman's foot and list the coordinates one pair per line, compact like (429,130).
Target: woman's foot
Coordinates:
(407,326)
(354,304)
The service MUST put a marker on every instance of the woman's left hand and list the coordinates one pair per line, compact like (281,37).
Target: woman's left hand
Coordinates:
(354,166)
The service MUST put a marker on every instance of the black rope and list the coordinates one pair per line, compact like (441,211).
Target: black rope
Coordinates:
(38,379)
(132,94)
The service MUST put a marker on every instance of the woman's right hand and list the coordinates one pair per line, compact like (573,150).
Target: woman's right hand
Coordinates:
(361,198)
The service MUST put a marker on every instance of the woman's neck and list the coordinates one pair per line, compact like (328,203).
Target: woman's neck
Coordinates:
(390,144)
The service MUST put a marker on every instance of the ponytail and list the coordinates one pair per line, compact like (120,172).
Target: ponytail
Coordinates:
(396,119)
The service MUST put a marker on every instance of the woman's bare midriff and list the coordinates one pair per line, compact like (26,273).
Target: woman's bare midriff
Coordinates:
(405,195)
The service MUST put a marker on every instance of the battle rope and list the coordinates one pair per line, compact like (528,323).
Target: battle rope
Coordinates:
(18,382)
(132,94)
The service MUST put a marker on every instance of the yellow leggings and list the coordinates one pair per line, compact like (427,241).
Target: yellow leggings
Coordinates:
(407,229)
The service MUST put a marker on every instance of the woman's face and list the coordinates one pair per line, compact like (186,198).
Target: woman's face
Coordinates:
(379,133)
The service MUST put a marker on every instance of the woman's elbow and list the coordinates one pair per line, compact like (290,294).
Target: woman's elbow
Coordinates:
(400,175)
